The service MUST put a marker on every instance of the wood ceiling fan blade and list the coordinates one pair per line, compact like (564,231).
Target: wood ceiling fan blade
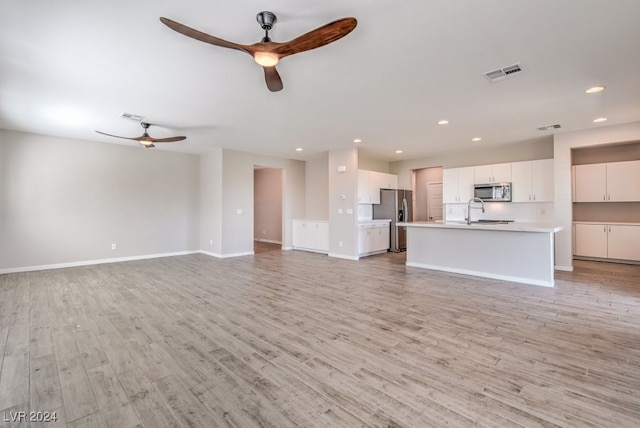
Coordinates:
(118,136)
(271,76)
(316,38)
(203,37)
(168,140)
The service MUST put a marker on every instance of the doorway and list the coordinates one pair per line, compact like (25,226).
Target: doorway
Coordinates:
(427,195)
(268,199)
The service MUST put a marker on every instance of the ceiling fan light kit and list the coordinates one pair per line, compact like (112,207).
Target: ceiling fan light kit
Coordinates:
(267,53)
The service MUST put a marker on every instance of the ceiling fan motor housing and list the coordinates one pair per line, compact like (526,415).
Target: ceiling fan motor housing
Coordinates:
(266,20)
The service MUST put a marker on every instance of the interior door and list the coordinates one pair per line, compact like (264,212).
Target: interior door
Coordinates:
(434,201)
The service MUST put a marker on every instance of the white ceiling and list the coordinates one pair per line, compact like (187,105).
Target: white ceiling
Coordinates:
(68,68)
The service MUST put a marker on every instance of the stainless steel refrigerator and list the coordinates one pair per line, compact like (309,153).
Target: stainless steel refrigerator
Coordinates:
(397,206)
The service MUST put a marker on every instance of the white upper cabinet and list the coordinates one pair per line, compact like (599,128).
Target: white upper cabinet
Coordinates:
(608,182)
(532,181)
(457,185)
(591,183)
(370,183)
(623,181)
(496,173)
(384,180)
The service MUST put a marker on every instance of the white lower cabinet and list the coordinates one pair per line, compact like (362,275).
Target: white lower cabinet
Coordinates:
(311,235)
(613,241)
(373,238)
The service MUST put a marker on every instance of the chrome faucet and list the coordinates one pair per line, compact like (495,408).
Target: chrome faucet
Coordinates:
(472,200)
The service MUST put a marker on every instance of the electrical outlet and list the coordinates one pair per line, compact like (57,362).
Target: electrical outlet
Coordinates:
(210,241)
(340,243)
(114,246)
(264,232)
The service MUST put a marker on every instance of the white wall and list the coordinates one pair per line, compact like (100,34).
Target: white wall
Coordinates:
(316,206)
(211,202)
(342,227)
(267,220)
(563,143)
(67,201)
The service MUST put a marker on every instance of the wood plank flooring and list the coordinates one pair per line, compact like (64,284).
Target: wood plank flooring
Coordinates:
(290,339)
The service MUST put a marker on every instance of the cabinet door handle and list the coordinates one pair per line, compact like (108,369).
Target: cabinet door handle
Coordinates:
(534,196)
(604,197)
(605,229)
(608,197)
(609,229)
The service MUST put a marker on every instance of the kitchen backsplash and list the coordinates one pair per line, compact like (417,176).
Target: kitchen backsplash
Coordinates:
(538,211)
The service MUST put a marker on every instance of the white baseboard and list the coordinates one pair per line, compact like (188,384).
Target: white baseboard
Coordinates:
(522,280)
(225,256)
(287,248)
(564,268)
(343,256)
(93,262)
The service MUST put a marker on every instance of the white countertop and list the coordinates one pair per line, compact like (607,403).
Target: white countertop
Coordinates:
(375,221)
(512,227)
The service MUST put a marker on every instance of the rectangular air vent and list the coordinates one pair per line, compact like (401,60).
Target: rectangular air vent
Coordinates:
(130,116)
(503,73)
(548,127)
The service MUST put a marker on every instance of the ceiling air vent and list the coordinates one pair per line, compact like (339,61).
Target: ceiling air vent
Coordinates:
(503,73)
(548,127)
(130,116)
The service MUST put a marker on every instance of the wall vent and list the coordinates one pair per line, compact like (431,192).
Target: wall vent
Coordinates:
(130,116)
(503,73)
(548,127)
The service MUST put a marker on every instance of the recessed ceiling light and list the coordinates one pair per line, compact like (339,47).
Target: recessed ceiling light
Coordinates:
(357,140)
(595,89)
(476,139)
(299,149)
(600,119)
(398,152)
(443,122)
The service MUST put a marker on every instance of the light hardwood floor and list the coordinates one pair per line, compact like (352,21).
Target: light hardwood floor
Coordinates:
(288,338)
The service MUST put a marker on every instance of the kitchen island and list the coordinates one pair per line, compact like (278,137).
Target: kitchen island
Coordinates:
(519,252)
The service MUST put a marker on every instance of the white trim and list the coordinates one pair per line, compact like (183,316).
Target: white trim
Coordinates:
(311,250)
(483,274)
(564,268)
(342,256)
(287,248)
(225,256)
(94,262)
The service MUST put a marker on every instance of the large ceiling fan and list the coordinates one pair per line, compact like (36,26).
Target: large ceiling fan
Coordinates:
(268,53)
(145,139)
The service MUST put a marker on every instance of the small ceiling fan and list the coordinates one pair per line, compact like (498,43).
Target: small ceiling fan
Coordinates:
(267,53)
(145,139)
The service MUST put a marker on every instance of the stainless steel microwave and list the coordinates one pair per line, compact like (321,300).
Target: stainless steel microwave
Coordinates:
(493,192)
